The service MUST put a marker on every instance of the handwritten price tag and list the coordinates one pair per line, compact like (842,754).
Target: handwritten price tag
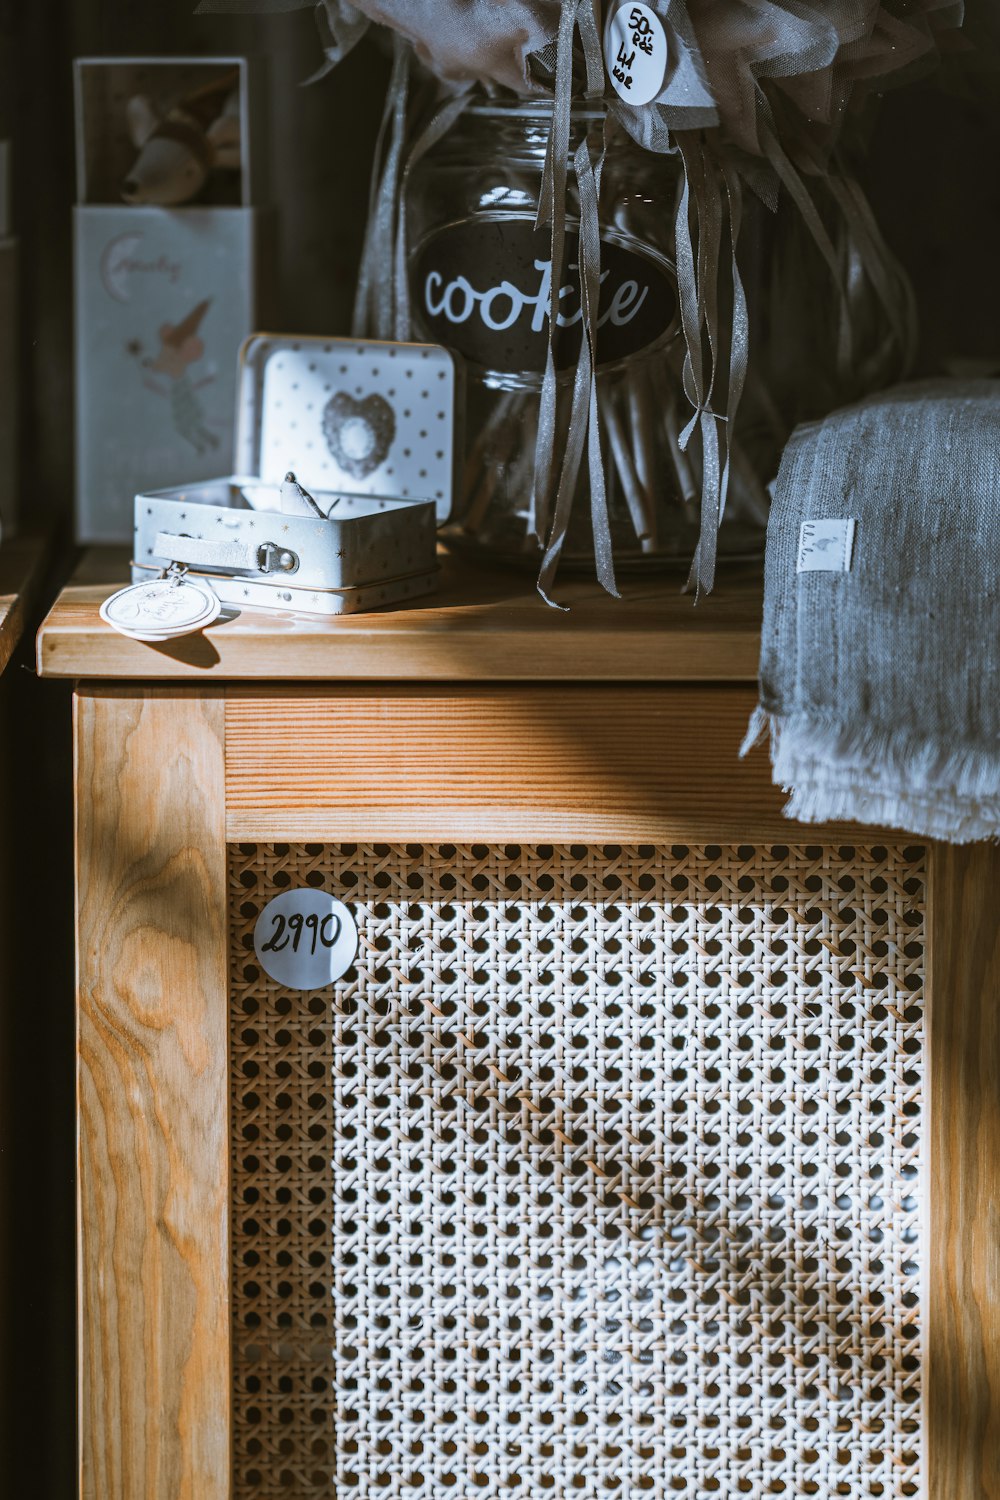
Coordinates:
(635,52)
(305,939)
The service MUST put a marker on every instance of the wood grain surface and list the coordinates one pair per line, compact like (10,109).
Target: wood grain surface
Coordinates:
(482,624)
(962,1317)
(530,763)
(152,1090)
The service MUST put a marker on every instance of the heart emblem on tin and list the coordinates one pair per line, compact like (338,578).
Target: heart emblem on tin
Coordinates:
(358,434)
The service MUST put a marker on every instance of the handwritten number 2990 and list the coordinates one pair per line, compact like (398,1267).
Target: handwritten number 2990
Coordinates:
(317,931)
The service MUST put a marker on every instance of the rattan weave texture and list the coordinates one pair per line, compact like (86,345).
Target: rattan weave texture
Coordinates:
(596,1176)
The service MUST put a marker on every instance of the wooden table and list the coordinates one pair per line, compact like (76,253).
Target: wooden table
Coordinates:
(21,561)
(480,717)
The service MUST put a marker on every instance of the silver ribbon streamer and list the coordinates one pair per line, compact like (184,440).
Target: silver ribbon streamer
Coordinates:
(584,425)
(709,216)
(341,27)
(552,211)
(589,184)
(874,261)
(691,296)
(715,356)
(374,312)
(584,428)
(802,199)
(440,123)
(739,350)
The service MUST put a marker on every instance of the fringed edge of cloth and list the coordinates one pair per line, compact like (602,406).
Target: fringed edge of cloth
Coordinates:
(869,774)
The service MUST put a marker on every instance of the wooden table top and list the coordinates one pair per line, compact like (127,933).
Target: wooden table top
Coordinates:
(481,625)
(21,559)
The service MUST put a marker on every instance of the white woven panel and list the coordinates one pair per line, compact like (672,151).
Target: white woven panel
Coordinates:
(598,1176)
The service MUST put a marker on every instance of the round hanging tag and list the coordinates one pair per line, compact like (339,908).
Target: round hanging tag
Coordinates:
(635,52)
(160,609)
(305,939)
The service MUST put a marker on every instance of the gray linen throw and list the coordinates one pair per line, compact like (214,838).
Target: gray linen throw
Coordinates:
(880,662)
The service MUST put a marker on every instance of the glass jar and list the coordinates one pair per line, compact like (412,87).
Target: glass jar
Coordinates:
(479,280)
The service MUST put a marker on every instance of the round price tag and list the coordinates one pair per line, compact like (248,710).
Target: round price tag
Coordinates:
(635,52)
(160,609)
(305,939)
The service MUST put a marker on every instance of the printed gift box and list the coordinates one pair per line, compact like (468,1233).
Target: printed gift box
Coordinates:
(170,267)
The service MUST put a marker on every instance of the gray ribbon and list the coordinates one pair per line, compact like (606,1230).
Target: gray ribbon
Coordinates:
(590,40)
(589,184)
(584,427)
(439,125)
(341,27)
(706,183)
(705,331)
(872,261)
(373,301)
(552,211)
(739,348)
(800,195)
(862,257)
(687,293)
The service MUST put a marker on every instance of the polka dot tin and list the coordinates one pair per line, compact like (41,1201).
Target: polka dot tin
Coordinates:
(369,429)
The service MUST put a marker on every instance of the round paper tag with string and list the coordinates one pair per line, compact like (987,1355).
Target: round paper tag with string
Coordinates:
(636,52)
(305,939)
(161,608)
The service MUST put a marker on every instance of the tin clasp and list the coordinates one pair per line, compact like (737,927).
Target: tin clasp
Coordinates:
(274,559)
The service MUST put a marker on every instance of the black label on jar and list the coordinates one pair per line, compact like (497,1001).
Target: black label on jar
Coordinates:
(483,287)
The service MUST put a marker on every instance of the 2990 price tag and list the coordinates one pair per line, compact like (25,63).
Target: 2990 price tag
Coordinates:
(305,939)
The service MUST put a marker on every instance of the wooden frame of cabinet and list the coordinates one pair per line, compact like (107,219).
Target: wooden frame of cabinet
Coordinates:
(169,770)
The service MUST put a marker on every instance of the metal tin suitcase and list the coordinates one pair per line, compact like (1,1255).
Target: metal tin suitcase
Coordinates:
(368,429)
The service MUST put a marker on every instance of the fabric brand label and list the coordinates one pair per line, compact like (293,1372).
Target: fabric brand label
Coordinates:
(825,546)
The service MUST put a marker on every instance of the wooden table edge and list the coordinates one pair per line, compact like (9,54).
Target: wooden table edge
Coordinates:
(22,560)
(480,627)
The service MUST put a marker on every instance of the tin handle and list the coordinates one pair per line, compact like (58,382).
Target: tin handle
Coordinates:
(228,553)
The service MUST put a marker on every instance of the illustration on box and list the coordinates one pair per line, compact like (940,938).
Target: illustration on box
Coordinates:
(169,250)
(180,349)
(162,312)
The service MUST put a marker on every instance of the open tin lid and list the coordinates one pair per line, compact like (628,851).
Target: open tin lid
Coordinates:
(355,416)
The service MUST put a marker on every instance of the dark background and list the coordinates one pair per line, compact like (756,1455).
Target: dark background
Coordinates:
(321,140)
(934,179)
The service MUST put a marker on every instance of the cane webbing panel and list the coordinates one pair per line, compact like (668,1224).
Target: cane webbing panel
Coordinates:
(597,1175)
